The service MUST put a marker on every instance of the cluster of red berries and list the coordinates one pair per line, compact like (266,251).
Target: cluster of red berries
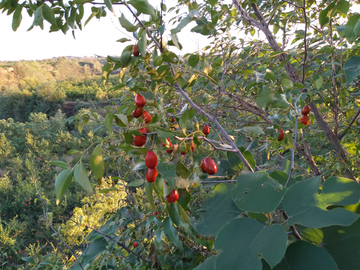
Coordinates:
(304,118)
(140,103)
(151,162)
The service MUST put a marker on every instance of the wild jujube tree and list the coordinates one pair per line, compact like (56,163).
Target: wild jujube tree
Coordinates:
(265,61)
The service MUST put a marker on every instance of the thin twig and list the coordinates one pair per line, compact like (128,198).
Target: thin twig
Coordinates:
(292,227)
(216,182)
(295,138)
(220,85)
(352,121)
(112,239)
(305,43)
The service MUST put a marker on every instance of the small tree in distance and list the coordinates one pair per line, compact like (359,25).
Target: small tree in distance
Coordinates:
(265,200)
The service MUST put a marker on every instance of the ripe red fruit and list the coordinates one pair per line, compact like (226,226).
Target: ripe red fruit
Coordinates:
(137,112)
(143,130)
(304,120)
(172,119)
(192,147)
(281,135)
(135,244)
(169,151)
(210,166)
(135,50)
(305,110)
(140,100)
(139,140)
(151,174)
(173,196)
(202,166)
(183,152)
(206,130)
(151,159)
(146,116)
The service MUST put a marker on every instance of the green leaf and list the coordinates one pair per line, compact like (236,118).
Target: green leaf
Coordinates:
(38,18)
(257,192)
(167,171)
(81,177)
(318,82)
(270,75)
(265,96)
(174,214)
(28,259)
(182,170)
(287,83)
(325,14)
(125,58)
(72,152)
(183,121)
(343,245)
(136,183)
(149,193)
(62,181)
(17,17)
(205,66)
(213,2)
(122,40)
(91,253)
(60,164)
(350,26)
(97,163)
(193,60)
(48,14)
(164,133)
(243,240)
(306,207)
(127,25)
(171,233)
(108,4)
(123,118)
(142,44)
(142,6)
(357,29)
(352,69)
(109,121)
(208,264)
(302,255)
(255,129)
(216,211)
(343,6)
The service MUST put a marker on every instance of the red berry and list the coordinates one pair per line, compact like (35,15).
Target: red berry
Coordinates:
(206,130)
(140,100)
(173,196)
(137,112)
(135,50)
(305,110)
(192,147)
(210,166)
(139,140)
(146,116)
(151,159)
(202,166)
(172,119)
(135,244)
(151,174)
(304,120)
(183,152)
(281,135)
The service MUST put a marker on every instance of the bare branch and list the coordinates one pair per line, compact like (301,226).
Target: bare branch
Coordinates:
(352,121)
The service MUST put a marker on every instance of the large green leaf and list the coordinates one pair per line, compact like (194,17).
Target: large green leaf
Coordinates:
(97,163)
(142,6)
(352,69)
(302,255)
(305,206)
(343,244)
(171,233)
(126,24)
(17,17)
(243,240)
(62,181)
(257,192)
(208,264)
(216,211)
(60,164)
(81,177)
(167,171)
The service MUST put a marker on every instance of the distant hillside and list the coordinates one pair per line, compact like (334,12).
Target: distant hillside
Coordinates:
(30,74)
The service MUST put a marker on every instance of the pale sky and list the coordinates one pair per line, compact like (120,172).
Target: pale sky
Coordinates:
(97,37)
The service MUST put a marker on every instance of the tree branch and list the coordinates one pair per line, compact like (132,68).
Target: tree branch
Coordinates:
(352,121)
